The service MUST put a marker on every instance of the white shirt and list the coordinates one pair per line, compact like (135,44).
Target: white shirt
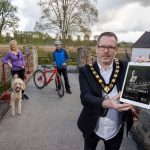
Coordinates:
(107,127)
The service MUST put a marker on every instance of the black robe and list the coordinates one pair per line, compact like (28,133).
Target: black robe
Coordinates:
(91,98)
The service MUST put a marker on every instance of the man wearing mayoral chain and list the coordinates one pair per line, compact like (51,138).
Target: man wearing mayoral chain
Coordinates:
(102,116)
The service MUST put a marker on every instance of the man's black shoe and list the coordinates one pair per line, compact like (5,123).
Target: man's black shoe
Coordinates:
(69,92)
(25,96)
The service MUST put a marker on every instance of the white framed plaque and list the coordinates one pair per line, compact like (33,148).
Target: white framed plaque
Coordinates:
(136,86)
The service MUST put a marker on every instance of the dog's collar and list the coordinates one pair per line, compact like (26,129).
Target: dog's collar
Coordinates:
(16,91)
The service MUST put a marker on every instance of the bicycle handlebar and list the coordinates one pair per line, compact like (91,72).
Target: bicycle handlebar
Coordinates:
(47,66)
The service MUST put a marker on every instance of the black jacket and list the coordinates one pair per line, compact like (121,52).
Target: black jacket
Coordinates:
(91,98)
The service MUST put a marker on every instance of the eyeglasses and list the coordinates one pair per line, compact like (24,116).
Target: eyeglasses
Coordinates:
(103,48)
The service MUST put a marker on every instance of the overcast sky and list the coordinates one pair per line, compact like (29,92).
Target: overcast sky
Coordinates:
(129,19)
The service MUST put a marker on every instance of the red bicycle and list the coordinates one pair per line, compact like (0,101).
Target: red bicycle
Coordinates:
(41,78)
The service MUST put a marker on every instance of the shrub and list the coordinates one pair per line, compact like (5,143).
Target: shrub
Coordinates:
(4,87)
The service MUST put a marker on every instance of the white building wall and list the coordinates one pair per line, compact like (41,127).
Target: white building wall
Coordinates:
(136,52)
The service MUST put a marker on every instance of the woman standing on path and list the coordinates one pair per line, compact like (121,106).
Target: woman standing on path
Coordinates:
(15,60)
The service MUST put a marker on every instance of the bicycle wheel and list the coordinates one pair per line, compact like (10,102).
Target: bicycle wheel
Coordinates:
(59,85)
(39,79)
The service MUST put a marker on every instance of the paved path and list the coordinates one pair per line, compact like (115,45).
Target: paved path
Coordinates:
(48,122)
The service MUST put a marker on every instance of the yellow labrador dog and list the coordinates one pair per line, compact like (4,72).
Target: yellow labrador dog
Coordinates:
(16,95)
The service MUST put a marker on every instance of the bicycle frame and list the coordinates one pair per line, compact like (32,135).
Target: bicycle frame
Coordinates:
(47,70)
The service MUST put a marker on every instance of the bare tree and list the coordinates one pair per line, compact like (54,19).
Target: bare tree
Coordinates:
(8,20)
(67,16)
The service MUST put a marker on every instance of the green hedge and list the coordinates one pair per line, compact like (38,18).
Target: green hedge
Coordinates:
(4,87)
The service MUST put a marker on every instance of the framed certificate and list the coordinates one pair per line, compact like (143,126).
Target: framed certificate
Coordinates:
(136,86)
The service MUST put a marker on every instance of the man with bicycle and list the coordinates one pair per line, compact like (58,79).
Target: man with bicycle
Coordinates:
(60,57)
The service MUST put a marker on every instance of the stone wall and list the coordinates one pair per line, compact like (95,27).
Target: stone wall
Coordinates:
(140,130)
(32,58)
(84,57)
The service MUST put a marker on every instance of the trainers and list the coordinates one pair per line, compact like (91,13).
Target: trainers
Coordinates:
(25,96)
(69,92)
